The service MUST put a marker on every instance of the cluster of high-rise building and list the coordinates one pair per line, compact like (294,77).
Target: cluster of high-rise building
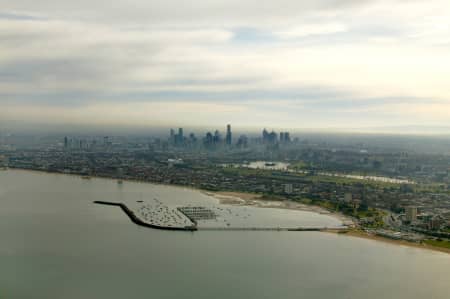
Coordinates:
(272,137)
(285,137)
(71,143)
(216,140)
(74,143)
(209,140)
(177,139)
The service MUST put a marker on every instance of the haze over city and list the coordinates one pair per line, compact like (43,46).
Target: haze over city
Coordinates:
(340,65)
(225,149)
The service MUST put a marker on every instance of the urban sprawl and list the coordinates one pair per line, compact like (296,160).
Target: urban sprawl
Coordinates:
(393,192)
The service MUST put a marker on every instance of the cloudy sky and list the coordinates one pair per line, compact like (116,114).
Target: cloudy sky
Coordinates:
(285,63)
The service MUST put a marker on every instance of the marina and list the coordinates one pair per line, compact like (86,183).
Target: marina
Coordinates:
(156,214)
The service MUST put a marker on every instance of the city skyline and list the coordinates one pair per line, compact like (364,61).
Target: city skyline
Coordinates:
(347,65)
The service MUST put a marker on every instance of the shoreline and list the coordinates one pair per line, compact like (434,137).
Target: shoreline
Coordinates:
(109,178)
(363,235)
(253,199)
(224,197)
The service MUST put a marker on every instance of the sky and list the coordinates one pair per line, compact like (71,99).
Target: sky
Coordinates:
(332,64)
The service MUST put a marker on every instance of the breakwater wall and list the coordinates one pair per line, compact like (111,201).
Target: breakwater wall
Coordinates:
(138,221)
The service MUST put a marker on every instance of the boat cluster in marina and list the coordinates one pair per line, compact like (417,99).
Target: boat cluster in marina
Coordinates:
(155,213)
(217,216)
(198,213)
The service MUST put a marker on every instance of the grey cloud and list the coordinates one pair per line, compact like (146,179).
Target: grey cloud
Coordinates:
(18,16)
(175,11)
(79,53)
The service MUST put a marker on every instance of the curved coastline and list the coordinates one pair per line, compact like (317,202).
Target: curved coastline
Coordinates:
(254,200)
(363,235)
(243,197)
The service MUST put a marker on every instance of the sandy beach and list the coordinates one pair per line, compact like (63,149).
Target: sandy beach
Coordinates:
(361,234)
(255,200)
(250,199)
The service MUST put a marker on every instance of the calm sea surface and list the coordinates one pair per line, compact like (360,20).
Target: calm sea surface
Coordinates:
(54,243)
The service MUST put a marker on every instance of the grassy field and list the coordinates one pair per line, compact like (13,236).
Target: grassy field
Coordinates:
(298,165)
(313,178)
(443,244)
(344,180)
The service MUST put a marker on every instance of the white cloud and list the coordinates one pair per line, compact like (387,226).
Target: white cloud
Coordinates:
(312,29)
(82,58)
(126,113)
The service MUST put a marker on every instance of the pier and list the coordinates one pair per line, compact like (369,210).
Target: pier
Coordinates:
(286,229)
(312,229)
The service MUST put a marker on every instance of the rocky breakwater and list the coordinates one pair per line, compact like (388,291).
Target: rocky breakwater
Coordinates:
(154,214)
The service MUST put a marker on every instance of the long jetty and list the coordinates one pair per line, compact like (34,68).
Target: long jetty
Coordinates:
(260,229)
(138,221)
(287,229)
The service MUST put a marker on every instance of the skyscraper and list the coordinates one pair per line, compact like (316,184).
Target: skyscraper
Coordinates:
(228,136)
(179,138)
(272,137)
(242,141)
(265,135)
(208,140)
(172,137)
(287,137)
(217,138)
(411,213)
